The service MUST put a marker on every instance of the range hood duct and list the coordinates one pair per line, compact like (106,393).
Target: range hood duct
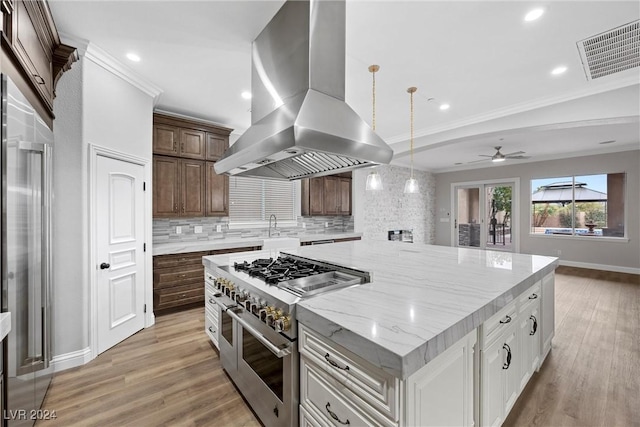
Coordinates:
(300,124)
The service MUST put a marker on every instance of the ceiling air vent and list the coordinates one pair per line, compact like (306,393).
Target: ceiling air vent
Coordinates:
(611,52)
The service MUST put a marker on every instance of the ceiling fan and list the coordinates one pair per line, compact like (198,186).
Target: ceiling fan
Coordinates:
(499,157)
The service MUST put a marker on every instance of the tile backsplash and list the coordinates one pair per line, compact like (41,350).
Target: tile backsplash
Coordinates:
(164,230)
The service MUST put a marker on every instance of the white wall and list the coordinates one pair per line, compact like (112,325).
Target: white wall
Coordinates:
(93,106)
(622,255)
(377,212)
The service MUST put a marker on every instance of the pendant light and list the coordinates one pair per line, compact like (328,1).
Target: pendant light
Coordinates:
(411,186)
(374,182)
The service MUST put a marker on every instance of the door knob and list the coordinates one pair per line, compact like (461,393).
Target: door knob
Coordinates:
(104,266)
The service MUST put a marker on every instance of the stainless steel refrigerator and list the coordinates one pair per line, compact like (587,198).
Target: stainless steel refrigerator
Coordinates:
(26,254)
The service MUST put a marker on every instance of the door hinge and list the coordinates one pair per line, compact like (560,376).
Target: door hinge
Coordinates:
(144,186)
(144,247)
(145,308)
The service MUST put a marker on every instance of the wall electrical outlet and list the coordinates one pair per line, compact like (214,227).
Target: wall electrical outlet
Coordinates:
(218,228)
(197,229)
(178,229)
(326,224)
(304,225)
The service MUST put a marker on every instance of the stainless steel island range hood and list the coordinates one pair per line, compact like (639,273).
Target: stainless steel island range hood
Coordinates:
(301,125)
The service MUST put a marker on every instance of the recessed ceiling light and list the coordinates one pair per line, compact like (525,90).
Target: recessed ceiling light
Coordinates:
(533,15)
(133,57)
(246,95)
(445,106)
(558,70)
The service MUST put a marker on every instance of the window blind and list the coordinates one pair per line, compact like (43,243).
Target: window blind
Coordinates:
(253,199)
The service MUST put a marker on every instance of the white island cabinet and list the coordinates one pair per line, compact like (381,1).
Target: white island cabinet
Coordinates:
(440,336)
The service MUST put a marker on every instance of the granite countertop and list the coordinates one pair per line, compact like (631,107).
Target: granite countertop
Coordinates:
(237,242)
(5,324)
(421,299)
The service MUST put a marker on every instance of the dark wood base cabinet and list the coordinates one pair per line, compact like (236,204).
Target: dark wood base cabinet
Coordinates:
(178,279)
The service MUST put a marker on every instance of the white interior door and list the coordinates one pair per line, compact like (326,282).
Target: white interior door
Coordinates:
(120,254)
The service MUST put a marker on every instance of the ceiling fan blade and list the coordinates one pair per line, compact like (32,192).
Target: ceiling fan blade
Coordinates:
(484,155)
(518,157)
(481,160)
(515,153)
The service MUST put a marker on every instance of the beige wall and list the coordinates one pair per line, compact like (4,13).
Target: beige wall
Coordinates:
(599,252)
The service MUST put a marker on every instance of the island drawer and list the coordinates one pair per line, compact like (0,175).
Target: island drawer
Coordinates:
(496,324)
(211,325)
(178,260)
(368,382)
(177,295)
(209,302)
(330,403)
(529,298)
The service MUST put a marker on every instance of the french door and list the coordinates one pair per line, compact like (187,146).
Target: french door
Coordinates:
(485,215)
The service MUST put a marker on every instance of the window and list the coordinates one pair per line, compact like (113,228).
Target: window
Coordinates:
(585,205)
(253,200)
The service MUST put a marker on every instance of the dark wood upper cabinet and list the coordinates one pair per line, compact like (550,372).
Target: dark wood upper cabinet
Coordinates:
(192,144)
(193,187)
(36,58)
(216,146)
(217,188)
(166,187)
(197,190)
(328,195)
(165,139)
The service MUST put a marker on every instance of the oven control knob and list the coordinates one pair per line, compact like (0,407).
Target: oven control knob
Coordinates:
(241,296)
(266,313)
(247,304)
(256,306)
(275,315)
(283,323)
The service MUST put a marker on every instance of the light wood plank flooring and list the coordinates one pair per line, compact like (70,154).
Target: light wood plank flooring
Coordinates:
(169,374)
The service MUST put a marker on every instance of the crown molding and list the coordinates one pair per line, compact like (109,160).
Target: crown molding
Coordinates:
(630,80)
(108,62)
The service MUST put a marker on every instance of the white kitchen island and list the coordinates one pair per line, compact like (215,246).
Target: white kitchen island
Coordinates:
(440,336)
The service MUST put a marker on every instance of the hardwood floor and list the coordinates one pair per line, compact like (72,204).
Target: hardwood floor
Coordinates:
(592,375)
(166,375)
(170,375)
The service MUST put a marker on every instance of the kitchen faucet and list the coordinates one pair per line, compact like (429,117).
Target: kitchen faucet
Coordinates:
(275,223)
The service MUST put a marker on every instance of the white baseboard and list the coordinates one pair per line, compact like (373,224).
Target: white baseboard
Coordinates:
(71,360)
(604,267)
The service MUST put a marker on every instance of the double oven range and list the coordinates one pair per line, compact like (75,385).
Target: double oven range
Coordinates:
(256,302)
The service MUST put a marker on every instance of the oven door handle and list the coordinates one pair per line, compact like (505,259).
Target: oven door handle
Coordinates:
(277,351)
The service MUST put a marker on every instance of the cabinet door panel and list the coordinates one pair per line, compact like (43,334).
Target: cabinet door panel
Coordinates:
(216,146)
(193,184)
(192,144)
(344,196)
(512,380)
(316,196)
(492,385)
(166,186)
(217,188)
(331,190)
(165,139)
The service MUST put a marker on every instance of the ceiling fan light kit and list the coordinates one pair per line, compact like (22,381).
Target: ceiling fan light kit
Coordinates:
(374,182)
(411,186)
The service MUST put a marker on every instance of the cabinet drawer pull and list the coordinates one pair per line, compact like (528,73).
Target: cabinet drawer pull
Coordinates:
(535,325)
(183,296)
(327,357)
(175,207)
(334,416)
(533,296)
(507,320)
(508,363)
(39,79)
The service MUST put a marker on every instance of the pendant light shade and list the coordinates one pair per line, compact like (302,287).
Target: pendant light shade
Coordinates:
(411,186)
(374,182)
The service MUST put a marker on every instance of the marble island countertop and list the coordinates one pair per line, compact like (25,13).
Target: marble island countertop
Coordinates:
(421,299)
(237,242)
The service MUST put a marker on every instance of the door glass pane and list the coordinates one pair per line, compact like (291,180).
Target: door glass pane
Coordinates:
(499,219)
(264,363)
(468,220)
